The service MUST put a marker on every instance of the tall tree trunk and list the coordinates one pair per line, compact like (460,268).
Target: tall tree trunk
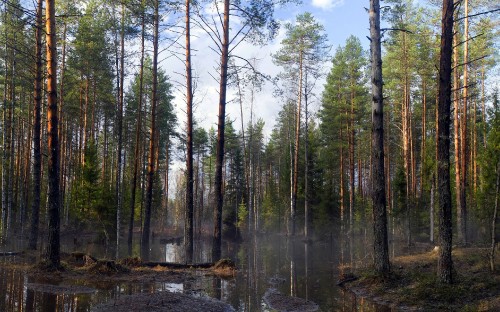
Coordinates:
(53,245)
(342,199)
(118,193)
(431,209)
(293,207)
(350,140)
(380,244)
(462,225)
(137,138)
(152,143)
(307,211)
(424,135)
(189,222)
(217,237)
(37,156)
(456,131)
(494,222)
(445,263)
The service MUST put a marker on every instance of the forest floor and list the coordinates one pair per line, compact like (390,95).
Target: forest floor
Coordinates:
(81,273)
(412,284)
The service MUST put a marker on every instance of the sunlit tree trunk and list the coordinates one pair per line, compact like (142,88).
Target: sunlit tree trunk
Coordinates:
(462,219)
(456,130)
(53,244)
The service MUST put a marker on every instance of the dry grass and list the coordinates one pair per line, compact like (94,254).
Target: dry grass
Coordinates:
(413,283)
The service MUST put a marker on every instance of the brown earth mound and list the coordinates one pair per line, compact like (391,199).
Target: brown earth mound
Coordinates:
(107,267)
(224,268)
(283,303)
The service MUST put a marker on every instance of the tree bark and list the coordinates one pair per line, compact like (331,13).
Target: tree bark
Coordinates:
(137,138)
(53,245)
(295,189)
(381,249)
(462,225)
(152,143)
(37,156)
(188,229)
(118,193)
(456,132)
(307,211)
(217,237)
(445,263)
(494,222)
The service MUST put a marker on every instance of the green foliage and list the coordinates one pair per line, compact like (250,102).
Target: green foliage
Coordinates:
(242,215)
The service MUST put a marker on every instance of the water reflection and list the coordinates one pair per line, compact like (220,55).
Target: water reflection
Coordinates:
(307,270)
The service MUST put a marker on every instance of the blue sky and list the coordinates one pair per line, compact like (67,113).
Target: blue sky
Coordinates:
(340,20)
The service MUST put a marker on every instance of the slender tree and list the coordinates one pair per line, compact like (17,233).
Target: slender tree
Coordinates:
(303,49)
(137,134)
(189,222)
(217,237)
(152,142)
(381,250)
(37,157)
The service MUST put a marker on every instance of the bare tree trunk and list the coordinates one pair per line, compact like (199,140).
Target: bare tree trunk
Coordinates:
(307,211)
(381,249)
(431,209)
(462,220)
(118,193)
(424,135)
(53,245)
(293,207)
(494,223)
(137,156)
(189,222)
(37,157)
(217,237)
(456,132)
(350,135)
(152,143)
(342,200)
(445,263)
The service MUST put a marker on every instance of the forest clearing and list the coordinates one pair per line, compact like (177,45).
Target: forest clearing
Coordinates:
(253,155)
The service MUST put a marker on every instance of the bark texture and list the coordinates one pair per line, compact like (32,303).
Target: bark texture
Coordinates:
(445,263)
(53,246)
(217,237)
(381,250)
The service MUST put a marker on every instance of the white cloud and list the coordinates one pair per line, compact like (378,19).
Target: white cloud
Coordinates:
(327,4)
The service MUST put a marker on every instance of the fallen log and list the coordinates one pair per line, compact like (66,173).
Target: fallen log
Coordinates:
(346,279)
(173,265)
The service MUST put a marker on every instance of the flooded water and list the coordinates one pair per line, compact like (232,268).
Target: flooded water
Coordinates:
(292,267)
